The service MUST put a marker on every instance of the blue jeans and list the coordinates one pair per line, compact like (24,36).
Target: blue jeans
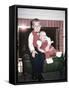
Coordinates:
(37,63)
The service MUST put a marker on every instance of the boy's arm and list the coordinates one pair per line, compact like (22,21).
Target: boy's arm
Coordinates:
(30,44)
(41,50)
(39,43)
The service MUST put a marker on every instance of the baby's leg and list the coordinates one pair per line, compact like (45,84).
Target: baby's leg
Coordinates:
(52,52)
(48,59)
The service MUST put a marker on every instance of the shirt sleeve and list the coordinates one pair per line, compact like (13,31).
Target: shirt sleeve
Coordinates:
(30,43)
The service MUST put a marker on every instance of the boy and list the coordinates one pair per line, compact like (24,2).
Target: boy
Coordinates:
(37,56)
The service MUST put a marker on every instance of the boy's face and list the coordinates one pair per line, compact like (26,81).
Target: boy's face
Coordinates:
(36,26)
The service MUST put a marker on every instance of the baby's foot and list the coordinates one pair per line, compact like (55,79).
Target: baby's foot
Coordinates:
(49,60)
(58,54)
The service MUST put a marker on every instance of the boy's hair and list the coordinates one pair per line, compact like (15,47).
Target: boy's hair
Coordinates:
(35,19)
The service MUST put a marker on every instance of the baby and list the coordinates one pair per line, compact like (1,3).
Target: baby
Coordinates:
(44,46)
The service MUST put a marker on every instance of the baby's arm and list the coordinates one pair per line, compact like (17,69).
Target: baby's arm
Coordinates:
(47,48)
(39,43)
(49,43)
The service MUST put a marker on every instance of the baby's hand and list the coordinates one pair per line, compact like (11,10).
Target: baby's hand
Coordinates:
(47,48)
(52,42)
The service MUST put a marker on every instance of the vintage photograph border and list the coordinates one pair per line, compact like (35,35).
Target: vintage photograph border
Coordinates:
(16,27)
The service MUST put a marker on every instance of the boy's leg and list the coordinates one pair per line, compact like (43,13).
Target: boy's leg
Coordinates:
(37,65)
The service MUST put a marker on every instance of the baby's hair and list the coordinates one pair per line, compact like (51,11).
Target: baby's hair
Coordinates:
(42,32)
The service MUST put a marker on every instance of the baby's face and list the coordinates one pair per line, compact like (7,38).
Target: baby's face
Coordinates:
(43,36)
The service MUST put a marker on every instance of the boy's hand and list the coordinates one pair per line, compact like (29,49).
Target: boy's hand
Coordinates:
(34,53)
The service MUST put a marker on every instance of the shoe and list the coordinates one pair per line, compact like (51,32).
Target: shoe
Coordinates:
(34,76)
(58,54)
(40,77)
